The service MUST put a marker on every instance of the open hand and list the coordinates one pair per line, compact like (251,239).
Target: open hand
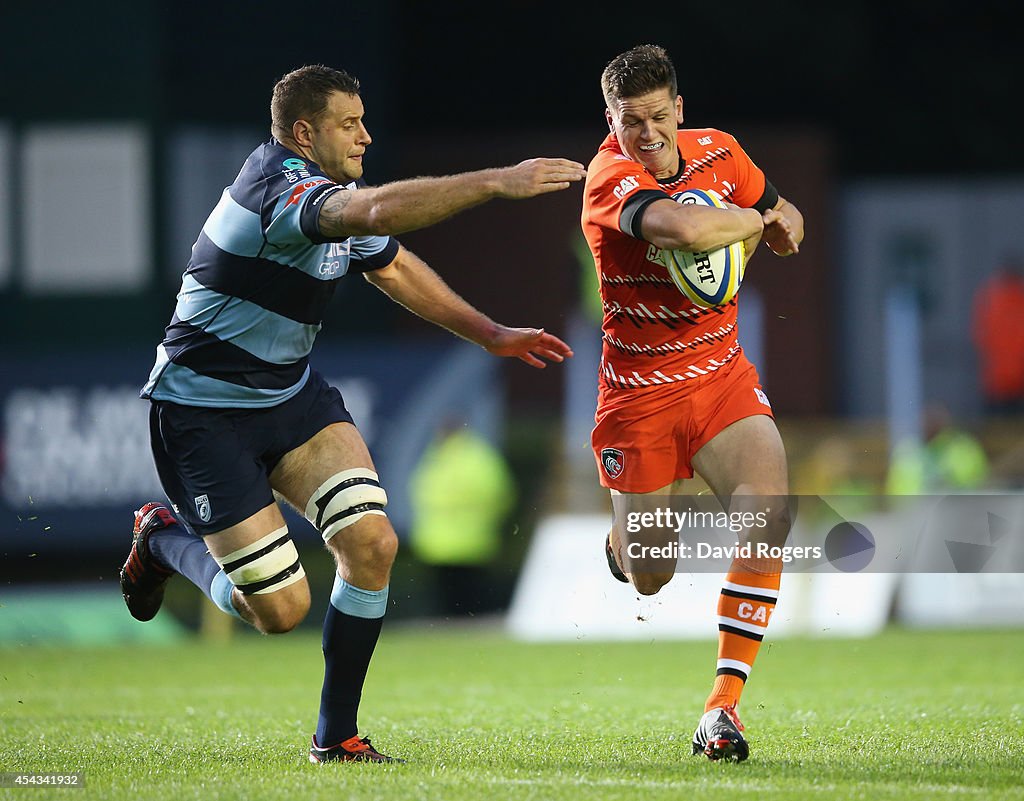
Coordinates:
(538,176)
(531,345)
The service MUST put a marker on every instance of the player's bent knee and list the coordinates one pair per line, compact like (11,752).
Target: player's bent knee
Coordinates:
(369,549)
(280,612)
(650,583)
(781,518)
(345,499)
(379,544)
(777,522)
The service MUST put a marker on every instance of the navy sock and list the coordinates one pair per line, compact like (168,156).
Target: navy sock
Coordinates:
(185,553)
(351,628)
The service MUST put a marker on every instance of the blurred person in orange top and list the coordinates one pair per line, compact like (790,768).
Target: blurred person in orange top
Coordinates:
(998,333)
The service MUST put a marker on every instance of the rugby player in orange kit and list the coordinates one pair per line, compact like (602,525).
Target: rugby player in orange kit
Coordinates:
(676,392)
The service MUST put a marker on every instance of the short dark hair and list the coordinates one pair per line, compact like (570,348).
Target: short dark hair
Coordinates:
(644,68)
(303,93)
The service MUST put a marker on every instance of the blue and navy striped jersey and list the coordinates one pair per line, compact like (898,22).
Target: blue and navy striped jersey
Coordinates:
(254,294)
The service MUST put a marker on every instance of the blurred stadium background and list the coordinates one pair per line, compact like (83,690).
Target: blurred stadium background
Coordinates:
(889,125)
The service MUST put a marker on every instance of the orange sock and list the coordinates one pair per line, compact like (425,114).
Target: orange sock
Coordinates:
(744,608)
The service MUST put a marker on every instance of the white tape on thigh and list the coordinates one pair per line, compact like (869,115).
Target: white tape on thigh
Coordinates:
(344,499)
(267,565)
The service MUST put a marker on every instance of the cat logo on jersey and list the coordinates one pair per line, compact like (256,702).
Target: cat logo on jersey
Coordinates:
(613,461)
(626,185)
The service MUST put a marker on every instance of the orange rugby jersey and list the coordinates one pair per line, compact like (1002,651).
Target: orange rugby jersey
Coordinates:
(652,333)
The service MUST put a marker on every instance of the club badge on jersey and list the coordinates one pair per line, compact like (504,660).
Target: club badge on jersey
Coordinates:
(203,508)
(614,462)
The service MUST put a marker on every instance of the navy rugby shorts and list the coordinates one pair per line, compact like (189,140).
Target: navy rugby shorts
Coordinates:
(215,464)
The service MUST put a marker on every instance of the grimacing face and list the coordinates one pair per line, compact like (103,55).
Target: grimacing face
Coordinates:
(646,126)
(339,139)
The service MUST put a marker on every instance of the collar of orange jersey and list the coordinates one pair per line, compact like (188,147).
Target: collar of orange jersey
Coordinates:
(679,173)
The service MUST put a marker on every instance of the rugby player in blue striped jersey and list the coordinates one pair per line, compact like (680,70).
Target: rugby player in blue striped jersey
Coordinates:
(237,412)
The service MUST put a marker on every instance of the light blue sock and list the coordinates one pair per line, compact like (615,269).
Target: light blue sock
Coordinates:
(358,602)
(220,593)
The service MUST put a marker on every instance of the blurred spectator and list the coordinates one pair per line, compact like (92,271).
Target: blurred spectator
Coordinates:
(949,460)
(461,492)
(831,472)
(998,331)
(830,469)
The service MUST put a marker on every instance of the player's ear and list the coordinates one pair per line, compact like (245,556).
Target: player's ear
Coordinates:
(679,109)
(301,131)
(608,119)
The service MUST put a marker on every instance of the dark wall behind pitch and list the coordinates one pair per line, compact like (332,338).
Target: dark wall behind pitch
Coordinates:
(903,87)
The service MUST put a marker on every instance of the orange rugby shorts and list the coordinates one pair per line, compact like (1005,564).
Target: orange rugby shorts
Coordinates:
(644,439)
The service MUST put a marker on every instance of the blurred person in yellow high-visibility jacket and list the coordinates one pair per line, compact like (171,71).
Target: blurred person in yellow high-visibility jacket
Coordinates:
(949,460)
(461,492)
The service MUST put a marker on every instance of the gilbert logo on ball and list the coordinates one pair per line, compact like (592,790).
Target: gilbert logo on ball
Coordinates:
(708,278)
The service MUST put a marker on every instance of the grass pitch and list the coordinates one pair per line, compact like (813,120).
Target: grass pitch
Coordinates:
(907,715)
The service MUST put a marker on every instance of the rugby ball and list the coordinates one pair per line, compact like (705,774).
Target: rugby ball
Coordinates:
(708,278)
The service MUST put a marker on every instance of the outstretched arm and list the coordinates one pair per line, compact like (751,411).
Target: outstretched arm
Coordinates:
(416,203)
(408,280)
